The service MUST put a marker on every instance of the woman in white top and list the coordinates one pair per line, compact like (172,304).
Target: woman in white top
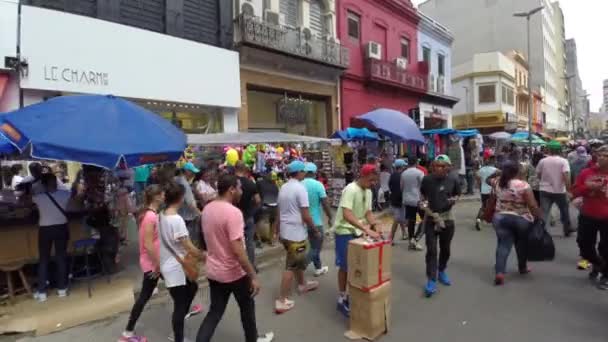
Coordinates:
(176,241)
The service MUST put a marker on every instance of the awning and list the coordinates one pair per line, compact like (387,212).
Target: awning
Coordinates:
(245,138)
(445,131)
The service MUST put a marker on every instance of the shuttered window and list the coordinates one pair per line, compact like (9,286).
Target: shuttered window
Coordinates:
(317,19)
(291,10)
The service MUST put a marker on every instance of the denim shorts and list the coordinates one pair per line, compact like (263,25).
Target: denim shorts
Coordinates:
(342,250)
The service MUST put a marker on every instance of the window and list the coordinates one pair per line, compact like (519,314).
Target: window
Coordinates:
(291,10)
(441,64)
(354,24)
(426,55)
(405,48)
(487,93)
(507,95)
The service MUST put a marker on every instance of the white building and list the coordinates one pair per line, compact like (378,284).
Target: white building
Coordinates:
(195,85)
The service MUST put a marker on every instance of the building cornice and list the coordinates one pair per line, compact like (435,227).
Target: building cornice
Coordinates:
(403,7)
(482,74)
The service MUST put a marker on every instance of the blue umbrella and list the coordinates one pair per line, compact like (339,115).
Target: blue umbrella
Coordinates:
(6,147)
(393,124)
(351,133)
(95,130)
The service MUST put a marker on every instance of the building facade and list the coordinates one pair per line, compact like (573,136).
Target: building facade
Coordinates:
(290,65)
(384,71)
(522,97)
(575,88)
(605,97)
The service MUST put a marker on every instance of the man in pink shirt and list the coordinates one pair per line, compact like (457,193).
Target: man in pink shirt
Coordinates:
(228,268)
(554,174)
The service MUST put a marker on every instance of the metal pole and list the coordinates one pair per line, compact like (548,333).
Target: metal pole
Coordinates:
(530,97)
(19,64)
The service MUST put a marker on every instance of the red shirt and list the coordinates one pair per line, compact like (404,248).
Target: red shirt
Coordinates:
(595,203)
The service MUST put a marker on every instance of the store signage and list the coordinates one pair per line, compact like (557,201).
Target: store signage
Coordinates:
(72,75)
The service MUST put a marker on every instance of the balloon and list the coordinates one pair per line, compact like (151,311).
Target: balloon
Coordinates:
(249,155)
(232,156)
(280,150)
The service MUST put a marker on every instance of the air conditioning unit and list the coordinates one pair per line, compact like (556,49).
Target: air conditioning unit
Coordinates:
(274,18)
(253,8)
(401,63)
(373,50)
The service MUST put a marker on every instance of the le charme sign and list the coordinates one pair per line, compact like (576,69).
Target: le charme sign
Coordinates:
(55,73)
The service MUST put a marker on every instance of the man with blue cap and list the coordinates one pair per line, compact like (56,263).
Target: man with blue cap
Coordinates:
(293,225)
(317,197)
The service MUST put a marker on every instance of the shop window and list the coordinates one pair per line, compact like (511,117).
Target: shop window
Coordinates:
(487,93)
(405,48)
(507,95)
(354,26)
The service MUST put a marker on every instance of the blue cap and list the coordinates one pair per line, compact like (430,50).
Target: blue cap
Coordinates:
(295,166)
(400,163)
(190,167)
(310,167)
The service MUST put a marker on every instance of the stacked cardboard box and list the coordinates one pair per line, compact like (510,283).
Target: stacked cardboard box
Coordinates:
(369,279)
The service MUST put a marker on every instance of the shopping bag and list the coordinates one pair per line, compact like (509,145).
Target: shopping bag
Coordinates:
(490,208)
(540,246)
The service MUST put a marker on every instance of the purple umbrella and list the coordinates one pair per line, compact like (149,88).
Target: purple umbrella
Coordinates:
(393,124)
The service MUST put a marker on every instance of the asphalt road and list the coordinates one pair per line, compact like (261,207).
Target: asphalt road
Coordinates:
(555,303)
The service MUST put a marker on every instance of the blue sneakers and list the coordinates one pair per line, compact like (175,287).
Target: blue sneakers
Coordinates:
(344,307)
(430,289)
(444,279)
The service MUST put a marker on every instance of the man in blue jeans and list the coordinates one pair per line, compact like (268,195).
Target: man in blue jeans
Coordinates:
(249,204)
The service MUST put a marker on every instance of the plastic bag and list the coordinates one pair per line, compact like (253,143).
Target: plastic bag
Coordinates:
(540,246)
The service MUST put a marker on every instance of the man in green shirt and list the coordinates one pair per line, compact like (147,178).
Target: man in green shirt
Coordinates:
(354,218)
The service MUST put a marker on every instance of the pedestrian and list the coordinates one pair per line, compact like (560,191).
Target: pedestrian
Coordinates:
(249,204)
(384,193)
(592,186)
(487,171)
(354,218)
(516,209)
(579,162)
(204,191)
(229,270)
(149,253)
(411,181)
(441,190)
(189,210)
(294,225)
(554,174)
(317,198)
(142,175)
(175,245)
(396,199)
(16,176)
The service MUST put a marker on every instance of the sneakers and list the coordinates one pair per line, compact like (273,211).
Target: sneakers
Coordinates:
(444,279)
(583,265)
(195,310)
(594,275)
(343,306)
(310,285)
(282,306)
(268,337)
(40,296)
(430,289)
(499,280)
(478,225)
(321,271)
(603,284)
(525,270)
(414,246)
(62,293)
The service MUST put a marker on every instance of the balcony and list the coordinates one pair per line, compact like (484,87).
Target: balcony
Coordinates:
(294,42)
(389,74)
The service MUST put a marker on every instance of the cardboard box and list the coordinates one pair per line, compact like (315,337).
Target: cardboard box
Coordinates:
(370,312)
(369,263)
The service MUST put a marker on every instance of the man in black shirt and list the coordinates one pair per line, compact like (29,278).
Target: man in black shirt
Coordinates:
(394,186)
(440,190)
(249,204)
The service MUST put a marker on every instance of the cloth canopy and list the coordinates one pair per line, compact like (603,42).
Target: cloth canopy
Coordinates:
(522,138)
(393,124)
(245,138)
(500,136)
(351,133)
(6,147)
(445,131)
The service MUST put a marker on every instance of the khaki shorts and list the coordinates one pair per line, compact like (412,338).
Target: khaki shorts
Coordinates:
(297,255)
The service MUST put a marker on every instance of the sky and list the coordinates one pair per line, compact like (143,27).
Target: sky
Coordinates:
(585,22)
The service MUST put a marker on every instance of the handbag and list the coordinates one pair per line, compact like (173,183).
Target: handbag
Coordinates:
(540,245)
(490,208)
(189,263)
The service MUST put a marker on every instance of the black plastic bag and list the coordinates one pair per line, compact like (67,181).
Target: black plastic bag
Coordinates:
(540,246)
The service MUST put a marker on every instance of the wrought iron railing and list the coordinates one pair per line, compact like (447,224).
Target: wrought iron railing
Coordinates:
(389,73)
(297,42)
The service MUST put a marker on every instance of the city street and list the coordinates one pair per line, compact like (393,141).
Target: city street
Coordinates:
(555,303)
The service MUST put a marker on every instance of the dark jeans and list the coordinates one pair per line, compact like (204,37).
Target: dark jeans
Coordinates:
(547,199)
(220,294)
(147,288)
(57,235)
(470,180)
(316,244)
(249,239)
(410,216)
(182,299)
(510,229)
(445,240)
(587,240)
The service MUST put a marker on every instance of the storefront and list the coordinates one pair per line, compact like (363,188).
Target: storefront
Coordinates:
(192,84)
(434,116)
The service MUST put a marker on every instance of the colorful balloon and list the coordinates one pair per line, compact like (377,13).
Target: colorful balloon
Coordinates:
(232,156)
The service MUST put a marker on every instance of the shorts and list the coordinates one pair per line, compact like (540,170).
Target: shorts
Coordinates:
(342,250)
(398,214)
(484,199)
(411,212)
(297,255)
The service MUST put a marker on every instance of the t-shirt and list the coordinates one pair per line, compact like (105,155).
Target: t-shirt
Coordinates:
(145,262)
(411,180)
(172,228)
(438,190)
(142,173)
(222,223)
(49,214)
(394,185)
(268,190)
(316,194)
(512,200)
(484,173)
(16,180)
(187,212)
(551,170)
(359,201)
(292,198)
(384,179)
(249,191)
(207,192)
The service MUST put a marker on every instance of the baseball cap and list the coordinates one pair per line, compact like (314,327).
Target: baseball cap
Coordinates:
(190,167)
(443,158)
(554,145)
(400,163)
(295,166)
(367,170)
(310,167)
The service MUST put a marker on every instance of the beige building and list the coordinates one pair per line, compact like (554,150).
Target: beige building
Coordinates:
(522,96)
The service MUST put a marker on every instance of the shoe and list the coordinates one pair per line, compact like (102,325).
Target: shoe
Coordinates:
(583,265)
(478,225)
(499,280)
(268,337)
(321,271)
(344,306)
(525,270)
(444,279)
(62,293)
(310,285)
(40,296)
(195,310)
(594,275)
(603,284)
(568,232)
(282,306)
(430,289)
(414,246)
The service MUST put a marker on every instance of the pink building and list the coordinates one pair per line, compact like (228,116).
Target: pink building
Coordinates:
(384,70)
